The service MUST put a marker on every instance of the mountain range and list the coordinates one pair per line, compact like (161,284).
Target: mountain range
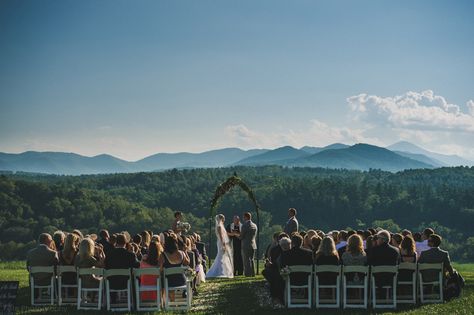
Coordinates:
(397,157)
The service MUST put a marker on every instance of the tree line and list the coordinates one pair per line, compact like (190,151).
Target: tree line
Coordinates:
(325,199)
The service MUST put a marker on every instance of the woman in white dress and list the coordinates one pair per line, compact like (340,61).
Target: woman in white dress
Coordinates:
(223,266)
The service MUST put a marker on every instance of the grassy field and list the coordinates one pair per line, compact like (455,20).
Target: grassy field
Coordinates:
(242,295)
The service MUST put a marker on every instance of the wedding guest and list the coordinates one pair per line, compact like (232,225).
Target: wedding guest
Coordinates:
(423,245)
(277,285)
(406,232)
(383,254)
(315,243)
(173,257)
(78,233)
(145,242)
(327,255)
(67,257)
(354,254)
(292,223)
(341,250)
(408,249)
(151,260)
(272,245)
(297,256)
(42,256)
(120,258)
(435,255)
(104,241)
(307,244)
(86,258)
(341,239)
(58,238)
(396,240)
(408,255)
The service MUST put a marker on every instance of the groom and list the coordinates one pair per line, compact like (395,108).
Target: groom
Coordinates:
(247,236)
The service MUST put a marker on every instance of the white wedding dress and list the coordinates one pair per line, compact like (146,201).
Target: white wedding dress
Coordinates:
(223,265)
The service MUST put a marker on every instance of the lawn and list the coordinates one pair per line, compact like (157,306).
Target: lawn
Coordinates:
(241,295)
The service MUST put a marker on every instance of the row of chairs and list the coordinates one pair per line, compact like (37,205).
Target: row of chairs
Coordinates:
(355,294)
(92,297)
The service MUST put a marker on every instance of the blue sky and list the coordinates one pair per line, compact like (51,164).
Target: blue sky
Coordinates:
(133,78)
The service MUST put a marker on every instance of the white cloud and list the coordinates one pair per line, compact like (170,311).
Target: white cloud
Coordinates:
(317,133)
(412,110)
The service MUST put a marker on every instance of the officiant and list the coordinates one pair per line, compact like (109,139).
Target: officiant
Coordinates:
(233,230)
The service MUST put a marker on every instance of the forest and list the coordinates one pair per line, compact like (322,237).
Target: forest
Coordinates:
(326,199)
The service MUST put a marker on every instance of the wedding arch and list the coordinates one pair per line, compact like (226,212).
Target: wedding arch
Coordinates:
(221,190)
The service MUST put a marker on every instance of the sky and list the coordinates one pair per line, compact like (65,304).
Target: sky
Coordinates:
(134,78)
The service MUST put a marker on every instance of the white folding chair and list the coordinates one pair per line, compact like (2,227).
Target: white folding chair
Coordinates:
(119,305)
(179,303)
(434,297)
(300,301)
(402,298)
(390,300)
(140,288)
(84,302)
(42,298)
(67,298)
(362,286)
(335,300)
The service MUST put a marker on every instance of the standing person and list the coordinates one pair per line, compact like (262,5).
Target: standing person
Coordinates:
(292,225)
(249,246)
(222,267)
(233,230)
(178,216)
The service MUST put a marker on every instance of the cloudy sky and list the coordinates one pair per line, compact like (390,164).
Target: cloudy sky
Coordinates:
(133,78)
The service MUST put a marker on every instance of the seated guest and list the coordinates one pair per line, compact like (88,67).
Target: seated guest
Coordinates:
(342,249)
(435,255)
(146,239)
(307,242)
(315,243)
(422,245)
(342,239)
(173,257)
(383,254)
(86,258)
(297,256)
(78,233)
(408,250)
(354,256)
(408,255)
(67,257)
(120,258)
(327,255)
(272,270)
(406,232)
(58,238)
(150,261)
(104,241)
(42,256)
(396,240)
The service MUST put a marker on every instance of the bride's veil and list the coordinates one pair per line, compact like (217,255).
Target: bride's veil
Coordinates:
(219,218)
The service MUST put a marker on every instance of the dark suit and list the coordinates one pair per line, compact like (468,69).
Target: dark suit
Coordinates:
(237,250)
(432,256)
(120,258)
(201,247)
(384,255)
(291,226)
(42,256)
(106,245)
(297,256)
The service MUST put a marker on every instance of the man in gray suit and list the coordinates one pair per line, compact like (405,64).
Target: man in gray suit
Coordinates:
(435,255)
(42,256)
(247,236)
(292,225)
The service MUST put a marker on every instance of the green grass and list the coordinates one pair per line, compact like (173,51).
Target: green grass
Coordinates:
(241,296)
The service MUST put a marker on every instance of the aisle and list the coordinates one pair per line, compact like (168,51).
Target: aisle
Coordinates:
(231,296)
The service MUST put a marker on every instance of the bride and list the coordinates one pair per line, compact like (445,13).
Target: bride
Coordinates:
(223,266)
